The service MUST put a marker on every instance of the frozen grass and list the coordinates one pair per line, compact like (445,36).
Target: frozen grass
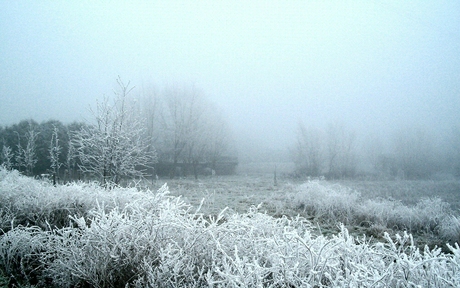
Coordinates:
(238,193)
(366,207)
(409,192)
(335,203)
(131,238)
(419,207)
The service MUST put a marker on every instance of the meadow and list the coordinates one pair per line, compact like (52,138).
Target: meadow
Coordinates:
(232,231)
(429,210)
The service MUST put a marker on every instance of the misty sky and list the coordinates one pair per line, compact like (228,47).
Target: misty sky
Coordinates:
(373,65)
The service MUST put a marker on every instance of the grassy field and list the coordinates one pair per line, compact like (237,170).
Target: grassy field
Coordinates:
(239,192)
(409,192)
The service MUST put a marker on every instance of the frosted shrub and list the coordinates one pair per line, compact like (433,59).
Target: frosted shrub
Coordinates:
(334,203)
(34,202)
(108,248)
(450,229)
(39,203)
(338,204)
(20,252)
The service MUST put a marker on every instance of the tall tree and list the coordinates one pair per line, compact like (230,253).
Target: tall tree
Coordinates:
(54,152)
(29,153)
(19,158)
(148,107)
(414,151)
(180,124)
(341,151)
(70,160)
(219,137)
(47,131)
(113,147)
(308,154)
(7,157)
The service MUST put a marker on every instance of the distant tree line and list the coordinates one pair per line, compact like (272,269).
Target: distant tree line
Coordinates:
(189,133)
(26,146)
(411,153)
(177,131)
(330,153)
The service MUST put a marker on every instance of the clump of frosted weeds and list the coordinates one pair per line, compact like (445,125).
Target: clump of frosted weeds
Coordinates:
(450,229)
(107,248)
(20,253)
(30,202)
(334,203)
(338,204)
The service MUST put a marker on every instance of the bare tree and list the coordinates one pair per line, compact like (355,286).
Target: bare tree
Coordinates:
(209,138)
(308,154)
(148,107)
(114,147)
(70,160)
(19,157)
(29,155)
(7,157)
(414,151)
(219,138)
(195,150)
(55,150)
(187,130)
(341,155)
(181,125)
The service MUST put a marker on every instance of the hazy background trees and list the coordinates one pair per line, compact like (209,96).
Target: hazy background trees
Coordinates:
(331,153)
(406,153)
(341,151)
(179,132)
(453,155)
(414,153)
(15,139)
(187,130)
(308,153)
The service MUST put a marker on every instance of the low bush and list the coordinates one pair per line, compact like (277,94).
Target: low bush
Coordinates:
(337,204)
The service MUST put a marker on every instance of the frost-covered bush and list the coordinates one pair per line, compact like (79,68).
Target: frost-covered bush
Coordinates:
(337,204)
(26,201)
(152,239)
(20,253)
(107,249)
(450,229)
(30,202)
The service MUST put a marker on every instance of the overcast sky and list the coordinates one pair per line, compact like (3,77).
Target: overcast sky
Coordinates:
(373,65)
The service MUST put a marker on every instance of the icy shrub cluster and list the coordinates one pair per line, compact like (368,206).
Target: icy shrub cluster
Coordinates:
(154,240)
(334,203)
(340,204)
(30,202)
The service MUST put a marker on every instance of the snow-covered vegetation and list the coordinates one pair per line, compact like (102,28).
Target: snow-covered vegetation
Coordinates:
(336,203)
(84,235)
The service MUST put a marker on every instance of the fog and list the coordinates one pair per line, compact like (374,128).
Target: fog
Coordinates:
(375,66)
